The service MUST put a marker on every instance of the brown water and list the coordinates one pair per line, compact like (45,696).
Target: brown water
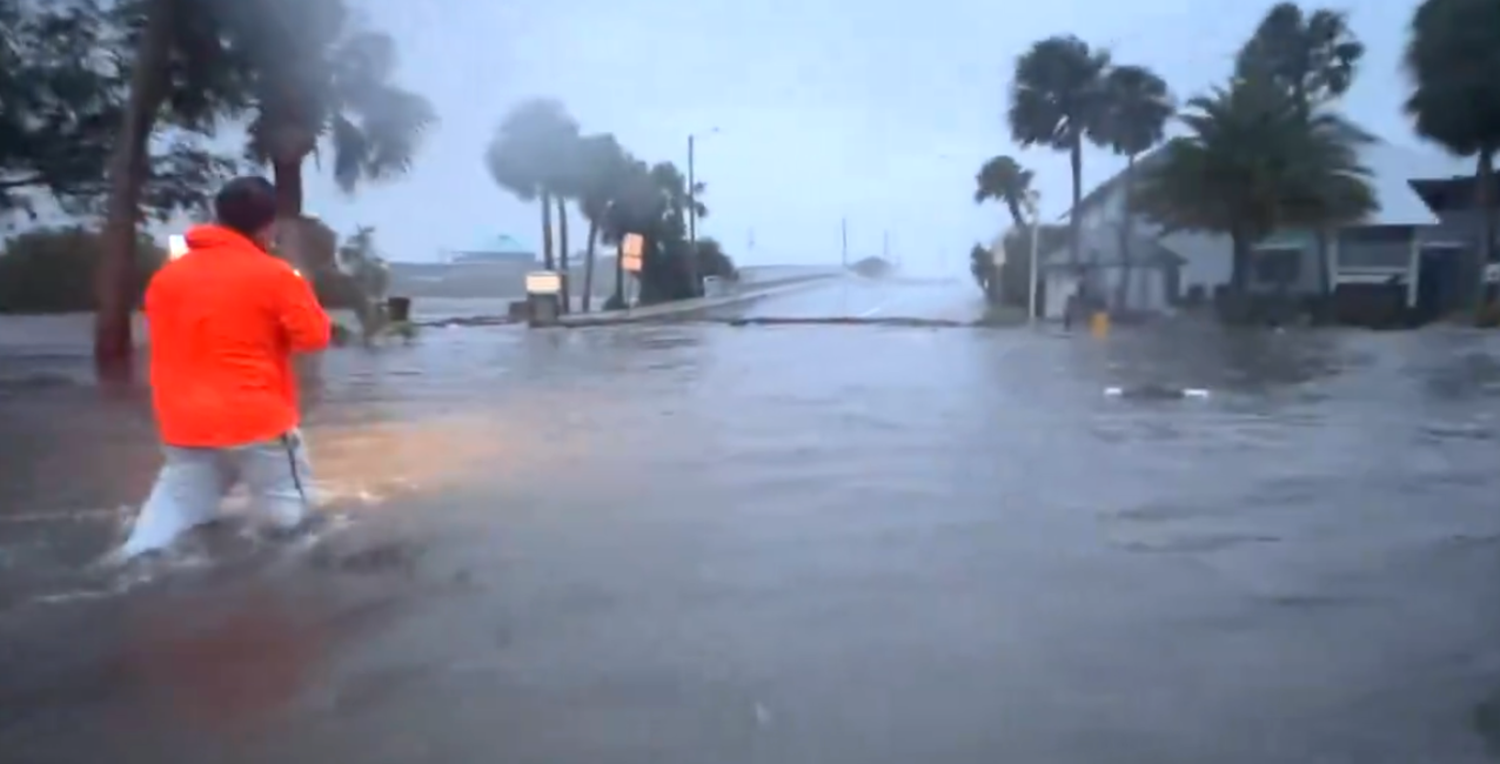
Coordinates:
(701,543)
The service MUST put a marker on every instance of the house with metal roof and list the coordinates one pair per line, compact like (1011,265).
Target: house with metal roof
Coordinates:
(1426,224)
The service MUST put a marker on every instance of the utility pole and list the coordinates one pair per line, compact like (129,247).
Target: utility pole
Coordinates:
(692,221)
(692,181)
(844,237)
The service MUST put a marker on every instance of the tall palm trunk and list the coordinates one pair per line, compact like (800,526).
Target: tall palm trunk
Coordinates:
(996,288)
(289,195)
(1322,244)
(562,253)
(115,279)
(1075,225)
(1127,231)
(588,265)
(1239,265)
(1488,212)
(620,273)
(290,143)
(547,261)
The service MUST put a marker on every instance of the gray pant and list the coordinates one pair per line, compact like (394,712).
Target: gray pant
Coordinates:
(194,481)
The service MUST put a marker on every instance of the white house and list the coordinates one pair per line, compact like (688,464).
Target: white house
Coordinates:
(1387,245)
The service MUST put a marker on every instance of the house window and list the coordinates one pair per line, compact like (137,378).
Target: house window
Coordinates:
(1278,265)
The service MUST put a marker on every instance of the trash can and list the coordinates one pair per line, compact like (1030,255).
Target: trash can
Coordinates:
(398,309)
(1099,324)
(543,298)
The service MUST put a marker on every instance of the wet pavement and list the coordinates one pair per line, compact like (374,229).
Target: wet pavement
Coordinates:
(703,543)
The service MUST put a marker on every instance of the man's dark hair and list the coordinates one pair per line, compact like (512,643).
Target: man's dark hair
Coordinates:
(246,205)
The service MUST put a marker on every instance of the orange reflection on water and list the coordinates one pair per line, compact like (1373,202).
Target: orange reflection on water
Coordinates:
(223,668)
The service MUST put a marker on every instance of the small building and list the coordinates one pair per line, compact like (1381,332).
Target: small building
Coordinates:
(491,250)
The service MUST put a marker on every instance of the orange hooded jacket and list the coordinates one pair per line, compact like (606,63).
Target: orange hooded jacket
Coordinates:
(224,321)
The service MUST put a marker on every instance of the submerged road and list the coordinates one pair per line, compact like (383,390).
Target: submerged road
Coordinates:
(794,545)
(855,297)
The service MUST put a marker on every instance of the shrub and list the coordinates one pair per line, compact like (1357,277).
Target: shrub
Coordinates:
(51,270)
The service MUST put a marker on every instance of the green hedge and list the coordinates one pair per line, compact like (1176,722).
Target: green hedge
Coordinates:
(51,270)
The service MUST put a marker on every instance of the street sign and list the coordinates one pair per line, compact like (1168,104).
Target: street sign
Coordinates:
(632,249)
(543,282)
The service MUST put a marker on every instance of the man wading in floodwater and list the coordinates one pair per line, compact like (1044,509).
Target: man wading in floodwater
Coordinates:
(224,321)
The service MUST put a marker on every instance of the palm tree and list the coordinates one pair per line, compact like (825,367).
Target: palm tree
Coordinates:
(1056,100)
(1137,107)
(319,75)
(1453,57)
(1003,179)
(1312,59)
(982,267)
(667,268)
(603,164)
(528,154)
(1252,164)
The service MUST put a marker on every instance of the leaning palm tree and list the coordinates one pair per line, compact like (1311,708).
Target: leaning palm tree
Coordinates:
(602,163)
(534,141)
(1453,58)
(1312,58)
(1137,107)
(321,75)
(1003,179)
(1252,164)
(1056,100)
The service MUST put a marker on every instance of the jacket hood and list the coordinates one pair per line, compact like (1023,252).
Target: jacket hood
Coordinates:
(207,237)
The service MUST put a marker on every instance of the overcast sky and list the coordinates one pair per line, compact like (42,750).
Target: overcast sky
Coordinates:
(880,112)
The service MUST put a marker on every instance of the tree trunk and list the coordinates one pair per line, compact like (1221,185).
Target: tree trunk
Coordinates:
(1235,308)
(1127,225)
(547,261)
(1075,224)
(620,273)
(1014,205)
(1488,212)
(288,176)
(1239,267)
(115,278)
(588,265)
(1325,268)
(562,253)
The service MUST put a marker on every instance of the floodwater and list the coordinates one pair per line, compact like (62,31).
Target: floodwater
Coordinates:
(835,544)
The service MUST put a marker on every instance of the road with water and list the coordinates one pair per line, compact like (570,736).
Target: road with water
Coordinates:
(835,544)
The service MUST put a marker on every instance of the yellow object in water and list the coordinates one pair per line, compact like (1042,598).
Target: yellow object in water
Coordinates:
(1099,324)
